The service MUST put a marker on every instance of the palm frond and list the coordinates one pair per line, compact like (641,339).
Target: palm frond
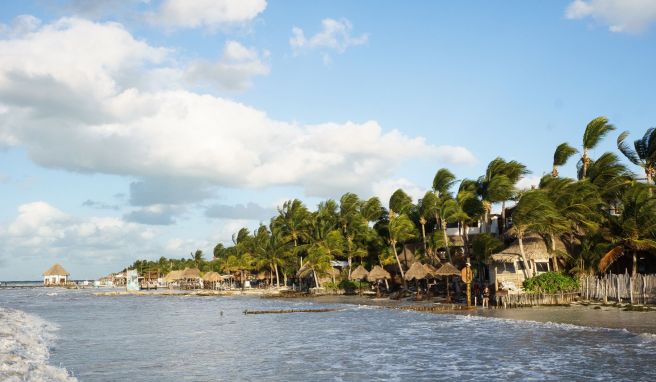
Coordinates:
(631,154)
(563,152)
(610,257)
(595,131)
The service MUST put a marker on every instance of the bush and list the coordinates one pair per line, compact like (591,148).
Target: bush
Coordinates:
(551,282)
(348,285)
(331,285)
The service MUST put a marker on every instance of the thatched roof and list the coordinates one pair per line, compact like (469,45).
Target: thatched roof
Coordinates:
(416,271)
(447,269)
(456,241)
(191,273)
(333,272)
(262,275)
(56,270)
(359,273)
(430,270)
(378,273)
(173,276)
(534,249)
(212,277)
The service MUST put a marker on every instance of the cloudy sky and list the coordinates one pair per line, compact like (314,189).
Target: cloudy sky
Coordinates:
(145,128)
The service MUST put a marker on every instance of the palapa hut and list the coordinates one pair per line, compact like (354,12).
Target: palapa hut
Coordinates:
(446,270)
(55,275)
(211,280)
(376,274)
(359,273)
(190,279)
(172,277)
(507,268)
(416,272)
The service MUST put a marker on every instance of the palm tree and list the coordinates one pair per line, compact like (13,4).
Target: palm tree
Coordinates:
(498,185)
(595,131)
(400,202)
(198,258)
(428,206)
(401,229)
(442,182)
(352,223)
(293,219)
(483,246)
(634,229)
(610,177)
(535,212)
(643,154)
(561,155)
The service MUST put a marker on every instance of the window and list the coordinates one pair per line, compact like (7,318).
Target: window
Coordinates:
(542,267)
(520,265)
(506,268)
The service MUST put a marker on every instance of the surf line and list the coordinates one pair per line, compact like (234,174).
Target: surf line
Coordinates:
(284,311)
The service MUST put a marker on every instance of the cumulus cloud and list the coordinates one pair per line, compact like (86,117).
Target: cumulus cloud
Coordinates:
(632,16)
(233,71)
(528,182)
(335,35)
(70,100)
(210,14)
(43,230)
(250,210)
(385,188)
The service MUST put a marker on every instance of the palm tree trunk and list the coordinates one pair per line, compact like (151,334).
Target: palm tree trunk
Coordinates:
(649,172)
(554,172)
(316,279)
(552,237)
(277,276)
(423,235)
(398,262)
(520,239)
(586,161)
(634,271)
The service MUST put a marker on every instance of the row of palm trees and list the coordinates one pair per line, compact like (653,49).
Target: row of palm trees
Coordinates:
(603,214)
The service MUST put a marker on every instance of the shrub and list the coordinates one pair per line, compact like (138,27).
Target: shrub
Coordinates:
(551,282)
(348,285)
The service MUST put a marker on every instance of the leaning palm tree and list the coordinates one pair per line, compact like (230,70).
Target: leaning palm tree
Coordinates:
(561,155)
(643,154)
(535,212)
(442,182)
(634,230)
(595,131)
(427,208)
(400,202)
(401,229)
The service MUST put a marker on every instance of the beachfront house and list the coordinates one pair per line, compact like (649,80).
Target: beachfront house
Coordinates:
(507,268)
(55,275)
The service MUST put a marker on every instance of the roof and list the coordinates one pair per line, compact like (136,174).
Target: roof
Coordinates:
(416,271)
(430,270)
(212,277)
(191,273)
(447,269)
(56,270)
(173,276)
(378,273)
(534,249)
(359,273)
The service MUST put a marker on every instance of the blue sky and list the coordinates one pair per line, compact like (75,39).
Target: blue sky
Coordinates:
(136,129)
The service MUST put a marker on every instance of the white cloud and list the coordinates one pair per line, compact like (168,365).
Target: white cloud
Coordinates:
(632,16)
(335,35)
(211,14)
(234,70)
(385,188)
(43,230)
(528,182)
(73,104)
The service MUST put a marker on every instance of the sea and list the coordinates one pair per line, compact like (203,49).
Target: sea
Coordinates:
(49,334)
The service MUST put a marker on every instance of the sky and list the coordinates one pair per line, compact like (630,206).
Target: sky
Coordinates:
(136,129)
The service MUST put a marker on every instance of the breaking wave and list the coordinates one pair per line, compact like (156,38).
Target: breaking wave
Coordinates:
(24,354)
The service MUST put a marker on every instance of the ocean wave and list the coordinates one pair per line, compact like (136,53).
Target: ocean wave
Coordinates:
(24,354)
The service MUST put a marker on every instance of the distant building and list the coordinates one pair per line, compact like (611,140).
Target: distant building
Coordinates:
(55,275)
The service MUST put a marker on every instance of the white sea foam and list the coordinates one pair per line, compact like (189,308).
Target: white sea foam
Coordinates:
(24,340)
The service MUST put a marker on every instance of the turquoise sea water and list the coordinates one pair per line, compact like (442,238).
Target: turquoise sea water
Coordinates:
(57,335)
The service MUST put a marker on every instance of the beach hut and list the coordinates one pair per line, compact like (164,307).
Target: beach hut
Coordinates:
(507,268)
(360,273)
(211,280)
(416,272)
(190,279)
(446,270)
(55,275)
(377,274)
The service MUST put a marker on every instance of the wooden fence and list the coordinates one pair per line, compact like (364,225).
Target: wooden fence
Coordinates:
(640,289)
(526,299)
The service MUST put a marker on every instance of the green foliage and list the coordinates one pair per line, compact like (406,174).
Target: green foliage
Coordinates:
(349,285)
(551,282)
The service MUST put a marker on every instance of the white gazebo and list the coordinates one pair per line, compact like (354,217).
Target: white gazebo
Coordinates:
(55,275)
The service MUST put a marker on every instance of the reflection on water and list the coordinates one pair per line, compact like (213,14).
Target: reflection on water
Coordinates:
(159,338)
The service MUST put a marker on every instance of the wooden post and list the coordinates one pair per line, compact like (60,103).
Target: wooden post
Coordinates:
(631,289)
